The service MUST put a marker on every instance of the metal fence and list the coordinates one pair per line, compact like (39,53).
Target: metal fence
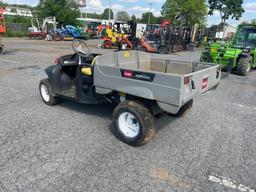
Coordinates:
(17,27)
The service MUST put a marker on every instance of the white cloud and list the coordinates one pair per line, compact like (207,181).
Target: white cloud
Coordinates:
(139,9)
(129,1)
(94,6)
(250,6)
(28,2)
(117,7)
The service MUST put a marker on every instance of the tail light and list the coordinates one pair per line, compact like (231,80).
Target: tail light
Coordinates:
(127,74)
(187,80)
(204,83)
(57,60)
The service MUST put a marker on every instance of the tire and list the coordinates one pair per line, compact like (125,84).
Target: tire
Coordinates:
(162,50)
(143,49)
(46,93)
(1,50)
(183,110)
(107,44)
(57,38)
(206,57)
(137,115)
(244,65)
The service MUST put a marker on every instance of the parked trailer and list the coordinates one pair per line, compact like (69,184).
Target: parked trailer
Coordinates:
(140,86)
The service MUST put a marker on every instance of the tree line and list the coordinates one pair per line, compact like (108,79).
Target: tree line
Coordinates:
(181,12)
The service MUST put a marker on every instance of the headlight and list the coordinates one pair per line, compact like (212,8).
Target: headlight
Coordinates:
(247,50)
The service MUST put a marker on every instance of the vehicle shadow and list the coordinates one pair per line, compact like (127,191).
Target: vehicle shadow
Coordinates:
(9,52)
(105,110)
(164,121)
(101,110)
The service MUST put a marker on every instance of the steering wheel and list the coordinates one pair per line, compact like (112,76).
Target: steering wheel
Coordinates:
(81,48)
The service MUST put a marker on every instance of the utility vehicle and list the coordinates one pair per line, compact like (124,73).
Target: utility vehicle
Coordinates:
(140,86)
(239,55)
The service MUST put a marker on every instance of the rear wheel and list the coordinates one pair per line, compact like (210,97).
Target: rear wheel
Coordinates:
(134,123)
(162,50)
(46,93)
(244,65)
(57,37)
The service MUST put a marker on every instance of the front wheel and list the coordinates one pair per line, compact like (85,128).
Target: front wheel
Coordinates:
(134,123)
(244,65)
(143,49)
(46,93)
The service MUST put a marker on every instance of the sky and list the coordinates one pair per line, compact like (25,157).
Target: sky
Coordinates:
(137,7)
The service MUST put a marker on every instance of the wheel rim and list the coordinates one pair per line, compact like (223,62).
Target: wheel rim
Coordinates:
(107,44)
(162,50)
(128,124)
(45,93)
(249,67)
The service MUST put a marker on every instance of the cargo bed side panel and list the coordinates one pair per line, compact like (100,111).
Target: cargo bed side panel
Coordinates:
(163,87)
(209,76)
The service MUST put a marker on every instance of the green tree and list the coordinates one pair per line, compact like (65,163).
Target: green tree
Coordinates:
(105,14)
(145,18)
(185,12)
(134,18)
(65,11)
(122,16)
(253,21)
(227,8)
(14,10)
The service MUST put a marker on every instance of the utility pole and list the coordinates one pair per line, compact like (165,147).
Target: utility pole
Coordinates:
(81,4)
(109,11)
(149,17)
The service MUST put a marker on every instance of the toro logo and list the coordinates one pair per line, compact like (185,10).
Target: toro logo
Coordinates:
(137,75)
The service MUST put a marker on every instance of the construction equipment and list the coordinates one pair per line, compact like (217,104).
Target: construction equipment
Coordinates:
(121,35)
(40,31)
(2,29)
(239,55)
(166,39)
(140,86)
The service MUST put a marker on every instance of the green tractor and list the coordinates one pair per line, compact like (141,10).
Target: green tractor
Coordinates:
(238,55)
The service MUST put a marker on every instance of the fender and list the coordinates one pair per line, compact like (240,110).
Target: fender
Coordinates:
(53,73)
(107,39)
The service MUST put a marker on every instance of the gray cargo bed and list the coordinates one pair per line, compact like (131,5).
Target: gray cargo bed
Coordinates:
(161,80)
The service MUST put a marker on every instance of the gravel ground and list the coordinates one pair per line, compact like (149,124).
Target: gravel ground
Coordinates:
(69,147)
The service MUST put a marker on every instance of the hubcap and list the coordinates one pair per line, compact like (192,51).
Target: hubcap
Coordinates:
(45,93)
(128,124)
(162,50)
(249,67)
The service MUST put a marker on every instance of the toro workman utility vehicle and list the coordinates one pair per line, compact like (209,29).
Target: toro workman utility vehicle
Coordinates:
(139,85)
(238,55)
(2,29)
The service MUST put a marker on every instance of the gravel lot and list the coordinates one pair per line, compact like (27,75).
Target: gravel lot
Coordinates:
(69,147)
